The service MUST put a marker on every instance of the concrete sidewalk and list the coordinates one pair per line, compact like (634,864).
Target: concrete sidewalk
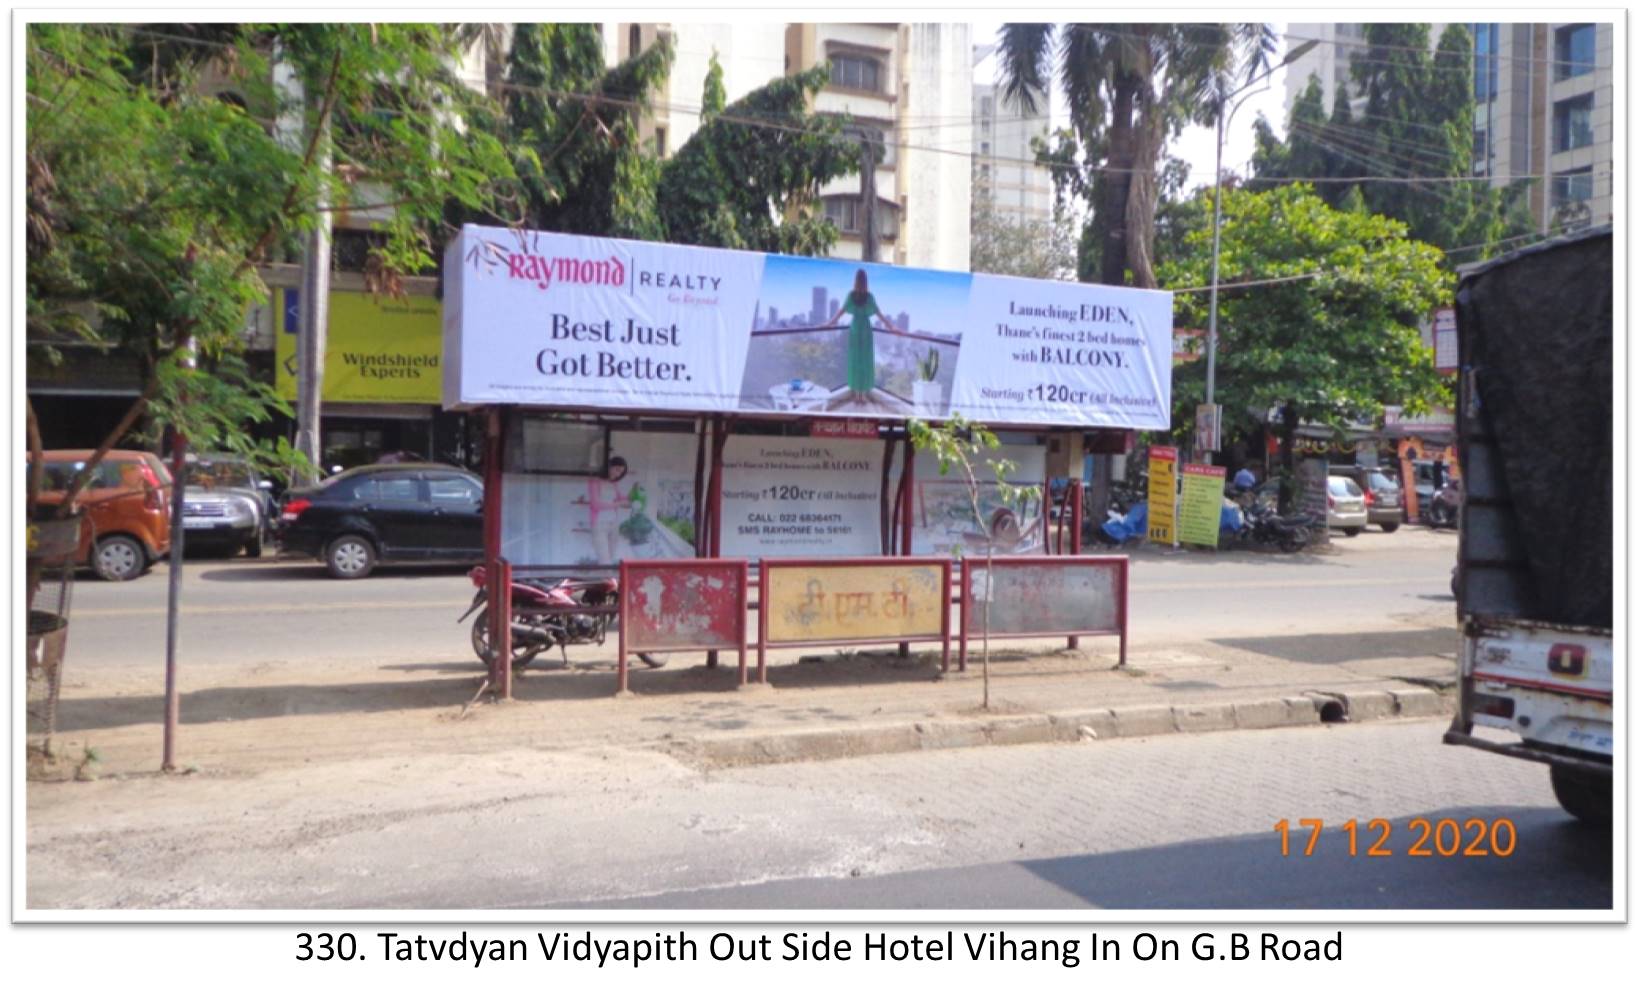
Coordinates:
(816,705)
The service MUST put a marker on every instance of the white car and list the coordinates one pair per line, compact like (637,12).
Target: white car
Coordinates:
(1345,506)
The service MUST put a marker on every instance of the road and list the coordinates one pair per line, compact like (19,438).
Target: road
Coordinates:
(242,614)
(1170,822)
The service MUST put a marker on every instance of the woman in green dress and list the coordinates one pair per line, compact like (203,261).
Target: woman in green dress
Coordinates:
(861,337)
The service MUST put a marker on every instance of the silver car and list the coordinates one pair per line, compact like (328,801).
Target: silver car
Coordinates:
(1345,506)
(224,505)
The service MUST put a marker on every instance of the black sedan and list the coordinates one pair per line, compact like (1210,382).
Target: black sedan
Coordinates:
(386,513)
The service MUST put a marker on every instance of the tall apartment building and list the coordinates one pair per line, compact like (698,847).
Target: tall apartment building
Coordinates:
(1005,170)
(908,86)
(1331,60)
(1543,107)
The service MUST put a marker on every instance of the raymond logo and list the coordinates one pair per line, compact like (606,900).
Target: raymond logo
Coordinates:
(543,270)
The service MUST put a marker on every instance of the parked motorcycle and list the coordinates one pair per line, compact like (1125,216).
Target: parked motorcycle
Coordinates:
(1444,508)
(1266,527)
(540,623)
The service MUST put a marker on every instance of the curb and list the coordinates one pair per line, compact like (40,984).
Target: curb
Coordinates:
(1063,726)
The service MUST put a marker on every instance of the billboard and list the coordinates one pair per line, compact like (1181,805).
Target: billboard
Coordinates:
(567,321)
(380,349)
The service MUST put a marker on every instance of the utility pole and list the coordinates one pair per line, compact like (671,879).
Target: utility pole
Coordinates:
(173,586)
(313,333)
(867,197)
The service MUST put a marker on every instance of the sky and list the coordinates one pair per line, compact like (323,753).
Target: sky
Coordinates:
(1197,145)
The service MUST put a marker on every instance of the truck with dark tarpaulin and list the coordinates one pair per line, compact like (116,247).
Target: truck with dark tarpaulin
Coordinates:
(1535,584)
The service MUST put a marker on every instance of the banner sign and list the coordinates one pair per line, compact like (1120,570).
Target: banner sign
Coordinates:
(1208,428)
(1201,517)
(1162,494)
(789,496)
(643,507)
(1043,596)
(863,601)
(942,520)
(380,349)
(1313,488)
(569,321)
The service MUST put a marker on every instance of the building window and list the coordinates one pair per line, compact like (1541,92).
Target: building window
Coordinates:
(659,142)
(983,148)
(1573,186)
(986,107)
(1573,50)
(844,212)
(856,72)
(1485,61)
(1481,150)
(1572,123)
(634,39)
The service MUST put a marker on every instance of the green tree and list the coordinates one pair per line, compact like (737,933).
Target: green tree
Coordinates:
(715,97)
(1417,125)
(959,444)
(1130,88)
(151,202)
(1044,248)
(1334,343)
(739,184)
(573,126)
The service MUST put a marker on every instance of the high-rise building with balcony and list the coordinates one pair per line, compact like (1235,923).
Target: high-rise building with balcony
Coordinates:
(907,88)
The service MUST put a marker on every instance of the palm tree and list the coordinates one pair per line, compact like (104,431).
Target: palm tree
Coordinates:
(1130,88)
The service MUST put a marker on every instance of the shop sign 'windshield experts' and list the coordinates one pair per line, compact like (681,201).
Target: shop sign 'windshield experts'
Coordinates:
(377,349)
(537,318)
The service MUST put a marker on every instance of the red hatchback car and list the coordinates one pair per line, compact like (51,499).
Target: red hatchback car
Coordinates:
(128,519)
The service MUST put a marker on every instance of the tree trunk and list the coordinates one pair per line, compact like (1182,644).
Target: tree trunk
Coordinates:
(1143,194)
(108,442)
(867,200)
(1119,180)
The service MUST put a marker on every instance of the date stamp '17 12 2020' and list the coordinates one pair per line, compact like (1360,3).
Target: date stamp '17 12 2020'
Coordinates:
(1445,838)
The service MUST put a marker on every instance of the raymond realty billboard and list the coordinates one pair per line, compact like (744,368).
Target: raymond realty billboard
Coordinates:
(564,321)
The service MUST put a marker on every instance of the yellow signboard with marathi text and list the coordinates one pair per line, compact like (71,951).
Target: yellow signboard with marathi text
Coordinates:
(381,349)
(1163,494)
(850,603)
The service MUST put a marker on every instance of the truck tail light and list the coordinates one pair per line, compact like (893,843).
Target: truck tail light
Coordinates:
(1493,705)
(293,510)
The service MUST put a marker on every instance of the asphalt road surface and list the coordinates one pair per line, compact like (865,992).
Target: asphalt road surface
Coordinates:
(1175,822)
(241,613)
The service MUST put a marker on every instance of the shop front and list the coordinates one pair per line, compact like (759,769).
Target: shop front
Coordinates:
(382,387)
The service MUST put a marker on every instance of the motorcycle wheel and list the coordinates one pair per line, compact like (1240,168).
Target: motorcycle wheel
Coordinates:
(654,660)
(1293,541)
(480,644)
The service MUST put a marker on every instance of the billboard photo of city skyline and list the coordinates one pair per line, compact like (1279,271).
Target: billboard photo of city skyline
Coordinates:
(799,359)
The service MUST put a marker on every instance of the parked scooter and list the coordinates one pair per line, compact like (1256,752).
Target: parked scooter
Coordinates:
(540,622)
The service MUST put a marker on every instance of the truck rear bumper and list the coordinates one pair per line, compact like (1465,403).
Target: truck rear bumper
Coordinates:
(1526,753)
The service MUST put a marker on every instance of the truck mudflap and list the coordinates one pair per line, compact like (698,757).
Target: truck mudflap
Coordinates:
(1551,685)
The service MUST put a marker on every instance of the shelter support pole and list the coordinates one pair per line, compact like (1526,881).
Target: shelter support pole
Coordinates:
(713,515)
(906,504)
(1074,532)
